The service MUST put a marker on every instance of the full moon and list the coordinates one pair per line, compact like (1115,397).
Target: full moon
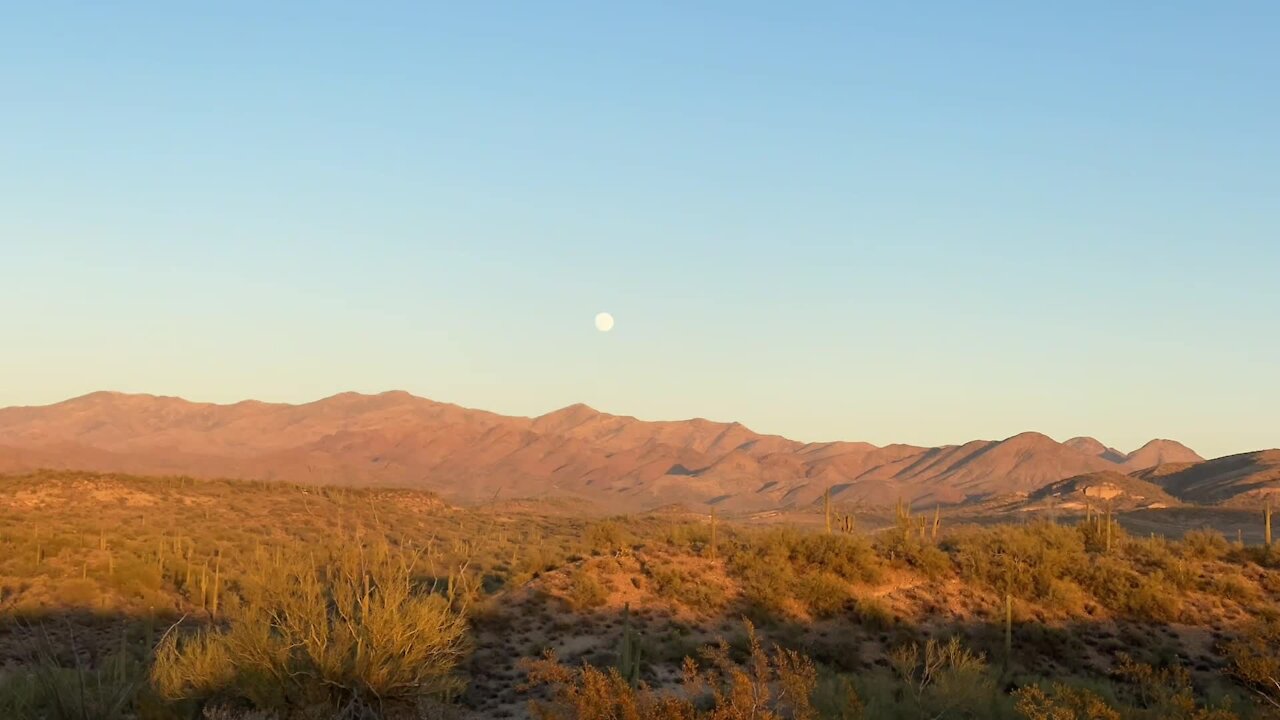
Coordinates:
(604,322)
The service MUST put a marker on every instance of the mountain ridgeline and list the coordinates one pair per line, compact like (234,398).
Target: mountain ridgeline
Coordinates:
(616,462)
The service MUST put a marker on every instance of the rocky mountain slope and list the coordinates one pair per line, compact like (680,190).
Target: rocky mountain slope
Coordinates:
(469,455)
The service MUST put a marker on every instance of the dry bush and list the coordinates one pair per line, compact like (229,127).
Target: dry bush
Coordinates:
(874,613)
(1255,661)
(1164,693)
(606,537)
(686,587)
(586,591)
(1030,562)
(1206,544)
(824,594)
(779,565)
(768,686)
(1062,702)
(944,679)
(356,629)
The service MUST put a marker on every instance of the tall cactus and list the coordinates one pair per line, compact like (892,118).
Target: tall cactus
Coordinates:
(1266,522)
(1008,629)
(903,512)
(217,585)
(826,507)
(937,521)
(713,532)
(629,654)
(204,585)
(1108,527)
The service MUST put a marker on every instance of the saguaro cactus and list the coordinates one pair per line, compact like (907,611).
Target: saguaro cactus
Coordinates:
(217,584)
(903,513)
(1108,527)
(713,532)
(846,524)
(1266,523)
(1008,629)
(826,507)
(629,653)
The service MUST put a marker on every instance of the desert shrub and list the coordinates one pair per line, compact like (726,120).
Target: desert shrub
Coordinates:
(1180,575)
(586,591)
(836,698)
(941,680)
(77,592)
(1030,562)
(1117,586)
(1152,597)
(903,546)
(1164,693)
(1206,544)
(769,686)
(686,587)
(1254,659)
(1062,702)
(873,613)
(766,586)
(850,557)
(1233,586)
(134,578)
(686,535)
(822,593)
(606,537)
(352,631)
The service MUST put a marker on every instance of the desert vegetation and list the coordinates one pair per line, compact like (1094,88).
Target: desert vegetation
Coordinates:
(170,598)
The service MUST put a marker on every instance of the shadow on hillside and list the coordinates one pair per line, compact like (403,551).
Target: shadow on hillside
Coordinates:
(1084,650)
(83,637)
(847,642)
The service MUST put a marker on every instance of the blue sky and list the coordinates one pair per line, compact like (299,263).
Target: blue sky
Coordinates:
(922,224)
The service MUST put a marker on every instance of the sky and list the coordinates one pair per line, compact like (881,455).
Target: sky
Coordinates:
(894,222)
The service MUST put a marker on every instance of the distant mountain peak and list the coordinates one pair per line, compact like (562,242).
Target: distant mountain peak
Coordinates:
(576,410)
(1159,452)
(1094,447)
(1029,438)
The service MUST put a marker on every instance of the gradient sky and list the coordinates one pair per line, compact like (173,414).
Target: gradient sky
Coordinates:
(913,222)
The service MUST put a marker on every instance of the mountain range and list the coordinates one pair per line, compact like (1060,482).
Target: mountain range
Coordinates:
(618,462)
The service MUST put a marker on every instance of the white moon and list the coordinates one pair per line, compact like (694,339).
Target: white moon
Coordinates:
(604,322)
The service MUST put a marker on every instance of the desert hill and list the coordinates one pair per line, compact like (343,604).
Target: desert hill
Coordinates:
(1102,489)
(1239,479)
(467,455)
